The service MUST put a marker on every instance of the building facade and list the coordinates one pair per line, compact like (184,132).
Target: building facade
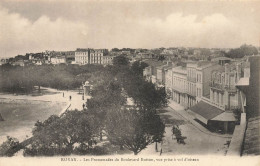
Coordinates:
(179,85)
(91,56)
(223,91)
(191,81)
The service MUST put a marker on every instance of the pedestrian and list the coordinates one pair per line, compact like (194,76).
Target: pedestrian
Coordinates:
(70,97)
(83,106)
(63,94)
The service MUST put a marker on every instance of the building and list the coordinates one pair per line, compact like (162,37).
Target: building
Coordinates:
(198,80)
(96,56)
(3,61)
(20,63)
(223,91)
(217,110)
(191,83)
(179,85)
(57,60)
(168,80)
(91,56)
(108,60)
(160,75)
(250,95)
(82,56)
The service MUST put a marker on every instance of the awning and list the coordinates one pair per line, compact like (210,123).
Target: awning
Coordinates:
(225,117)
(205,111)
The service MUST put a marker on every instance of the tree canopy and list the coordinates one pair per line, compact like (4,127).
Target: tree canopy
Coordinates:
(242,51)
(120,61)
(133,129)
(58,135)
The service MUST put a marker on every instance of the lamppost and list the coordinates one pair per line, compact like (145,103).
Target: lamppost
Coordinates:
(82,91)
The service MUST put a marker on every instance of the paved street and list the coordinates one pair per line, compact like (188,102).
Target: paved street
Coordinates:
(199,141)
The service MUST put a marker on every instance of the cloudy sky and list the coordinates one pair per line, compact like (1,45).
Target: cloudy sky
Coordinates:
(38,25)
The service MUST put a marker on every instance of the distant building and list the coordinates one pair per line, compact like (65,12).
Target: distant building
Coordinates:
(82,56)
(3,61)
(20,63)
(58,60)
(107,60)
(91,56)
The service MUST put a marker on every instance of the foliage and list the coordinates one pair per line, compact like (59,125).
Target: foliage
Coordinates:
(161,58)
(144,93)
(23,79)
(138,67)
(58,135)
(133,129)
(120,61)
(104,97)
(10,147)
(242,51)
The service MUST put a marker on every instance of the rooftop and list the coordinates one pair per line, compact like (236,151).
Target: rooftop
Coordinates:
(206,110)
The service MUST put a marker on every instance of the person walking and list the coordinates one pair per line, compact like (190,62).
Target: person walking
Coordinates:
(83,105)
(70,97)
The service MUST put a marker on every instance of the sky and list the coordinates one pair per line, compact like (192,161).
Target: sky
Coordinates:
(39,25)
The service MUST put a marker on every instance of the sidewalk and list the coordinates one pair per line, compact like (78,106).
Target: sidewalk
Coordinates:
(186,115)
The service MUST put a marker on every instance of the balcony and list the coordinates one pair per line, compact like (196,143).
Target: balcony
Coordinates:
(229,88)
(217,86)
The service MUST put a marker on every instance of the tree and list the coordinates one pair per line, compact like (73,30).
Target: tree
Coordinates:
(105,97)
(138,67)
(57,135)
(120,61)
(133,129)
(242,51)
(145,94)
(10,147)
(115,49)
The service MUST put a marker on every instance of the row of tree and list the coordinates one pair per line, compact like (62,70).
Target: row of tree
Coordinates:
(17,79)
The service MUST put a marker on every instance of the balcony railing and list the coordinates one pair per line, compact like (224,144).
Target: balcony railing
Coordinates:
(230,88)
(217,86)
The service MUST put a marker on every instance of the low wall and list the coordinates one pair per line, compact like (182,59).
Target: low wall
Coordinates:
(236,144)
(65,109)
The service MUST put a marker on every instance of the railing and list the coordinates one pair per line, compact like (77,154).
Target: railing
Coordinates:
(231,88)
(217,86)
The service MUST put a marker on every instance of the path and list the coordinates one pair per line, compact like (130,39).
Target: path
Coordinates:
(188,116)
